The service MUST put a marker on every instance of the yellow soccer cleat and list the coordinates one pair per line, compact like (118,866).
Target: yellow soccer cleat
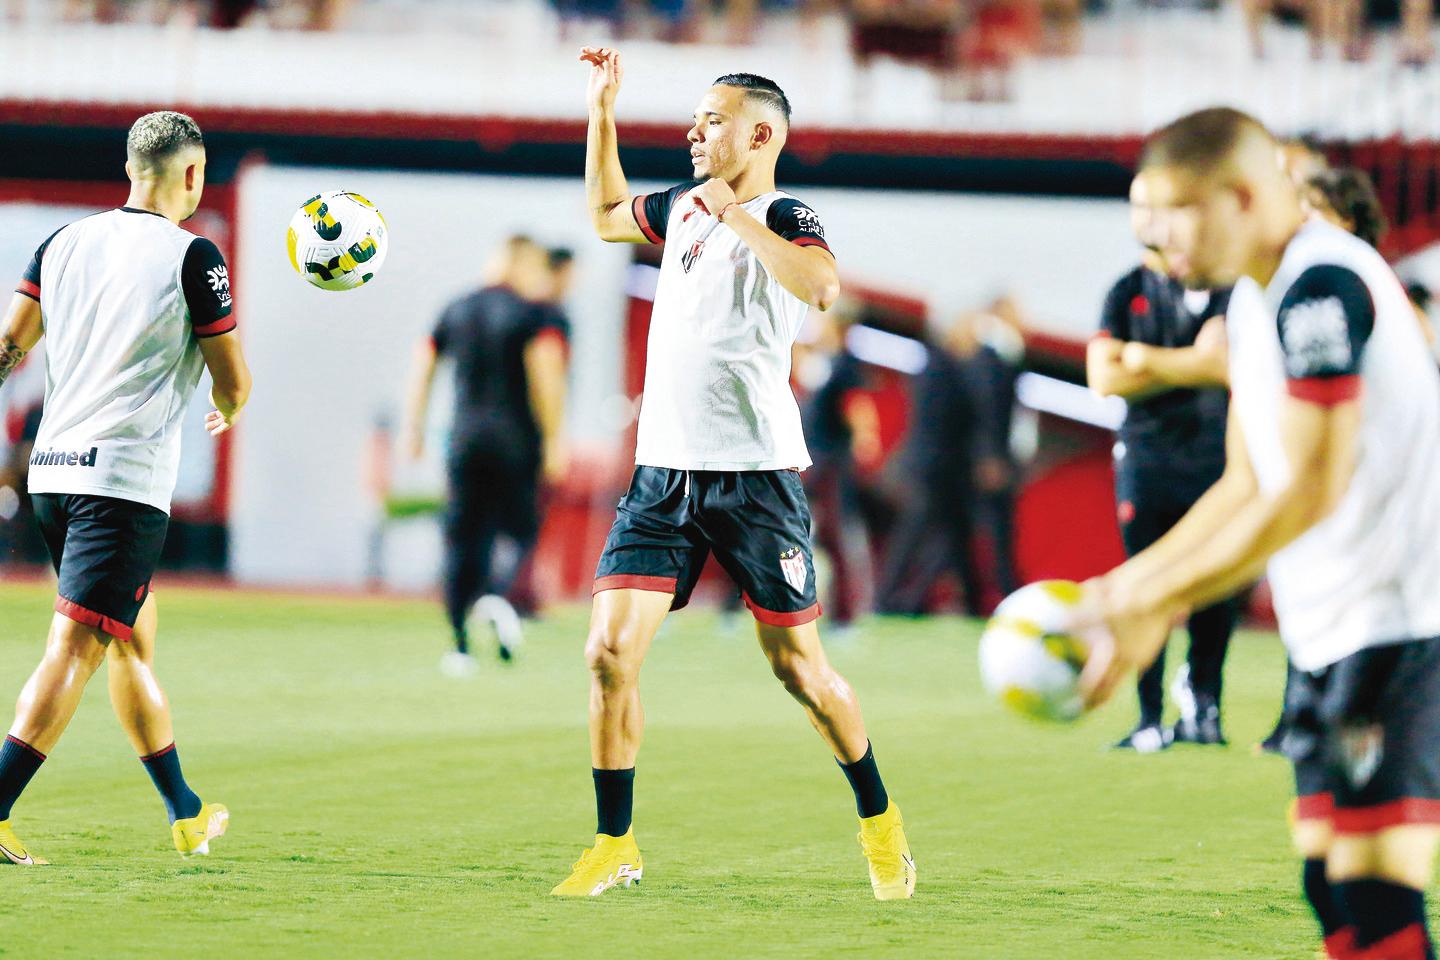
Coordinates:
(13,851)
(892,869)
(612,861)
(193,835)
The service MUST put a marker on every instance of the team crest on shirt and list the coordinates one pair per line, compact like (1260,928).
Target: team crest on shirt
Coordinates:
(219,278)
(1316,336)
(792,566)
(688,259)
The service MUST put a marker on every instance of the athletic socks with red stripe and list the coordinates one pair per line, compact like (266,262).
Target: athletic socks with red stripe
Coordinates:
(1387,919)
(181,803)
(18,763)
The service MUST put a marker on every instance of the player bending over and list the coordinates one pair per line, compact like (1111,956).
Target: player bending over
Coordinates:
(1333,448)
(719,450)
(132,307)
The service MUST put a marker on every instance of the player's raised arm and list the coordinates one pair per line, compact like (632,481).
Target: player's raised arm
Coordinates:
(606,193)
(20,332)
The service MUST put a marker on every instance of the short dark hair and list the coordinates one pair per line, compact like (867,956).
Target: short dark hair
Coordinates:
(559,257)
(1350,192)
(1200,141)
(1419,294)
(156,137)
(759,88)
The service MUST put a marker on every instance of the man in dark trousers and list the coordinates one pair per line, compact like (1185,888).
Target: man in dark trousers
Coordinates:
(509,352)
(1162,348)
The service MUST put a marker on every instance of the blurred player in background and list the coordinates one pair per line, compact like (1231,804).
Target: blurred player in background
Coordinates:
(132,308)
(1329,487)
(1162,348)
(508,341)
(719,450)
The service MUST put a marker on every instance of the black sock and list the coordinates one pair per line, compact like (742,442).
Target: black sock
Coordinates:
(1380,910)
(1322,899)
(614,800)
(871,800)
(181,803)
(18,763)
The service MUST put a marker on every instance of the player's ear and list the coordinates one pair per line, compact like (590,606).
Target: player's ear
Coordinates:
(763,134)
(190,172)
(1244,196)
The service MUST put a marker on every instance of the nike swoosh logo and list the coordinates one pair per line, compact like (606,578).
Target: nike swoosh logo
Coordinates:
(909,860)
(25,861)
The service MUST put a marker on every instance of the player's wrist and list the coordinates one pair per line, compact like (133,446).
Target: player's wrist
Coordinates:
(727,209)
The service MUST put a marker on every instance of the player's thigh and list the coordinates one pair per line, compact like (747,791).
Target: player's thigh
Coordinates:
(141,646)
(112,548)
(1306,744)
(760,533)
(623,623)
(1384,718)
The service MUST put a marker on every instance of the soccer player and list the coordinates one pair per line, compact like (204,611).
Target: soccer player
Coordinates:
(132,307)
(1329,486)
(719,450)
(1162,348)
(507,433)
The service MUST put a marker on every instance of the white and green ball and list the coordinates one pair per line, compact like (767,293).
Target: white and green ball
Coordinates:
(1028,656)
(337,240)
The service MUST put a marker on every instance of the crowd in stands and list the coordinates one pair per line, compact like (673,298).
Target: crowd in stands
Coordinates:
(971,45)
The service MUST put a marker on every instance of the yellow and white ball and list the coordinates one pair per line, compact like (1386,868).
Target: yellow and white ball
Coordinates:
(337,240)
(1028,656)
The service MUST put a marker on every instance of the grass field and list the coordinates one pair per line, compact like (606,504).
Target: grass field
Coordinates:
(382,810)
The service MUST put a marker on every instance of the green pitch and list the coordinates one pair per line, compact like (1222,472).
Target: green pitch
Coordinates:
(380,810)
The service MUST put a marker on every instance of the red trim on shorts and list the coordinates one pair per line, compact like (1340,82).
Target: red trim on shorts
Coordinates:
(159,753)
(551,334)
(1385,815)
(1102,335)
(1407,944)
(24,746)
(631,581)
(1315,806)
(1340,945)
(223,325)
(637,207)
(1326,391)
(775,618)
(27,289)
(73,610)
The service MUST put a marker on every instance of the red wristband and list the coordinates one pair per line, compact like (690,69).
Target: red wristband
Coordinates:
(721,215)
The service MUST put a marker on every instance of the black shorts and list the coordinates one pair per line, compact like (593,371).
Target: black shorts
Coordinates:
(1364,737)
(105,551)
(757,523)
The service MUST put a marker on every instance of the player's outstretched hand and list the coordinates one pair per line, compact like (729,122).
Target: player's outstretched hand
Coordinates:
(1124,635)
(713,196)
(217,423)
(605,76)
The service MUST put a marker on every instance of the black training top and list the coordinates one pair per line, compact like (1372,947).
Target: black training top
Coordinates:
(1181,426)
(827,432)
(486,333)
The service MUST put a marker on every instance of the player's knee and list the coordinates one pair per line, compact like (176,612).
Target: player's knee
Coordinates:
(77,643)
(800,677)
(606,655)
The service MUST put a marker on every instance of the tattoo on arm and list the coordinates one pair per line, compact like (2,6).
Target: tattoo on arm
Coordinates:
(11,353)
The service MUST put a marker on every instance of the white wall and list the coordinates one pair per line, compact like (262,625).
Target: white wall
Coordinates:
(328,364)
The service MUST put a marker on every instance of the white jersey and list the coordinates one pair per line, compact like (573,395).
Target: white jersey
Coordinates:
(717,367)
(1335,324)
(124,296)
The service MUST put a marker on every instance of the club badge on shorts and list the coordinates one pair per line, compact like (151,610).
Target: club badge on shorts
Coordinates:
(792,565)
(1362,747)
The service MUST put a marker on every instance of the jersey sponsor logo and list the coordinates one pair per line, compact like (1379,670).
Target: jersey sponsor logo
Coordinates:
(64,458)
(219,278)
(1316,337)
(792,567)
(688,259)
(809,221)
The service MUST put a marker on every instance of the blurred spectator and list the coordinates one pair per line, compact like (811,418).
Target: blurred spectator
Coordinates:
(933,533)
(911,31)
(1304,160)
(1346,197)
(842,430)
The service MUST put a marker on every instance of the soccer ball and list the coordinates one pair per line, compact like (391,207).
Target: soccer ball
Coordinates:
(337,240)
(1028,657)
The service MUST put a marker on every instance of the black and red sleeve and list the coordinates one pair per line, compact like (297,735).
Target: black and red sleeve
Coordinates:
(1325,320)
(29,284)
(1120,303)
(797,223)
(652,210)
(205,280)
